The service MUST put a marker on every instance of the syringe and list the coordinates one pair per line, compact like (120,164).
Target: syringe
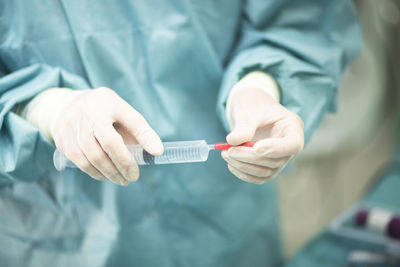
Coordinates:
(174,152)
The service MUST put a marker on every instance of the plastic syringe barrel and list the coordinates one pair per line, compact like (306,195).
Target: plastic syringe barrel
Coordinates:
(174,152)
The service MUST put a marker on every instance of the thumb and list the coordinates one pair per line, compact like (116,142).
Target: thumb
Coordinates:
(243,131)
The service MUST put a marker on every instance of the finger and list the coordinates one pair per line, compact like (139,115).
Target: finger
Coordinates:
(248,155)
(70,148)
(288,144)
(242,132)
(113,145)
(137,126)
(79,159)
(279,147)
(100,160)
(247,168)
(246,177)
(245,126)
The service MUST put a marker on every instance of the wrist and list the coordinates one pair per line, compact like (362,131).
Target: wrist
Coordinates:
(257,80)
(44,109)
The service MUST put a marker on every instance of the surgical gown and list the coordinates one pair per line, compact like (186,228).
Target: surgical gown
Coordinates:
(175,61)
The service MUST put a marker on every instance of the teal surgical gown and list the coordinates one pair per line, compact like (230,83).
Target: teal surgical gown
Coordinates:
(175,61)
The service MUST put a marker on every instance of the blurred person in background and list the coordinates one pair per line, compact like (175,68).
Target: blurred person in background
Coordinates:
(351,150)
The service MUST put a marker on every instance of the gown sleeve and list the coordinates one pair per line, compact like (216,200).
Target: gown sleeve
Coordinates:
(304,44)
(26,154)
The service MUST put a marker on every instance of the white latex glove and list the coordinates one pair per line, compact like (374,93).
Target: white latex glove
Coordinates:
(254,114)
(92,128)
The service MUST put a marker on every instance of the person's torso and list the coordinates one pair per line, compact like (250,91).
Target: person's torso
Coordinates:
(166,58)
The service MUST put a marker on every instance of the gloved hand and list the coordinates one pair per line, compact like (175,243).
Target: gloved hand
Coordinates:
(91,128)
(254,115)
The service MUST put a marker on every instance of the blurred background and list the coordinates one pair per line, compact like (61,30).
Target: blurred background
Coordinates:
(353,146)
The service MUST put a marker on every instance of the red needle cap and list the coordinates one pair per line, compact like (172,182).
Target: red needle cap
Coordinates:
(225,146)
